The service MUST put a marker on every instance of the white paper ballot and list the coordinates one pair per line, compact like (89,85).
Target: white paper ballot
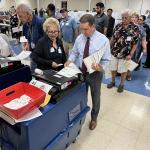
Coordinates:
(131,65)
(43,86)
(18,103)
(17,29)
(21,56)
(69,71)
(23,39)
(95,58)
(29,116)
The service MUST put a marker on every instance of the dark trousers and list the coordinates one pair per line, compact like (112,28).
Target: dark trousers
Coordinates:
(94,81)
(147,62)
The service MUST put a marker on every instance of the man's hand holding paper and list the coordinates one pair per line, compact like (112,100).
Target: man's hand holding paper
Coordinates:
(92,62)
(97,67)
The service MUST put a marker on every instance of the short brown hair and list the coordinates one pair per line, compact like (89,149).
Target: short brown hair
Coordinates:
(87,18)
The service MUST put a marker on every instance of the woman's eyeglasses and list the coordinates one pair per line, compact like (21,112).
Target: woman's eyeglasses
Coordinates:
(52,32)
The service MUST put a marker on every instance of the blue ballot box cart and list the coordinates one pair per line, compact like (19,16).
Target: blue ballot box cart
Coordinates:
(60,122)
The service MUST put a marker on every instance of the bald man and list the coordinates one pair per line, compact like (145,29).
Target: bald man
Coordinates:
(123,46)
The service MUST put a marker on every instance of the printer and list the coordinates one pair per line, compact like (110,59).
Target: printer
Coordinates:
(7,65)
(13,71)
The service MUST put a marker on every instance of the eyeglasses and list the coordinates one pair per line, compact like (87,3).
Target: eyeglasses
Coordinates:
(52,32)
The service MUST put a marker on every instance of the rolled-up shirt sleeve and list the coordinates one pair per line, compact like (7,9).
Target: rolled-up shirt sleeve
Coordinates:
(106,56)
(74,52)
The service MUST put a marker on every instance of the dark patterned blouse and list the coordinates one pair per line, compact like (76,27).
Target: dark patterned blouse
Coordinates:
(124,39)
(14,20)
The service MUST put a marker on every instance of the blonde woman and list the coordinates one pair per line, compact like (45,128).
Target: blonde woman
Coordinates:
(49,52)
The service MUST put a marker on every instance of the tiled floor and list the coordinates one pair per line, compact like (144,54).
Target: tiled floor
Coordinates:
(123,123)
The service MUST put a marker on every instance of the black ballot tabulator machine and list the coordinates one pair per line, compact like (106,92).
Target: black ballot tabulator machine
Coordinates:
(60,83)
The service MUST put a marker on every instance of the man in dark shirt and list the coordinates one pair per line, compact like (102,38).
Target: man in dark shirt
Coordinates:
(101,20)
(32,29)
(111,23)
(51,9)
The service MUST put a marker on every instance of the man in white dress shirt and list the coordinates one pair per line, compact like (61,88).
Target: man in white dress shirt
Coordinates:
(96,42)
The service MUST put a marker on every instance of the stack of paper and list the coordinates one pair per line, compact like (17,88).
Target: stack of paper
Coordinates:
(21,56)
(69,71)
(95,58)
(131,65)
(31,115)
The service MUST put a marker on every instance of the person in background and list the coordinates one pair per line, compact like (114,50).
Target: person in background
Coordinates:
(147,30)
(68,28)
(35,11)
(111,23)
(147,20)
(123,46)
(87,43)
(142,38)
(49,52)
(93,10)
(14,22)
(141,45)
(51,10)
(32,29)
(41,14)
(101,20)
(58,14)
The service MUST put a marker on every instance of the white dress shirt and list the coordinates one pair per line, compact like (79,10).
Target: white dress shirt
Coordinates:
(97,41)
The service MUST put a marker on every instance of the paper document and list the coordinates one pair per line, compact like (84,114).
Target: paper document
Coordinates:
(95,58)
(43,86)
(31,115)
(23,39)
(17,29)
(21,56)
(69,71)
(18,103)
(131,65)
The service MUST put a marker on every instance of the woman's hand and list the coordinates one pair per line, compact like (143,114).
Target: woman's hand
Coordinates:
(26,46)
(55,65)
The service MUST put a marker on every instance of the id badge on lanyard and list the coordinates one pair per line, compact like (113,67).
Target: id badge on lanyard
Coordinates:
(32,44)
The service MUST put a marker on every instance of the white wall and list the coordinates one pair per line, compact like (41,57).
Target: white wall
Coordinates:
(31,3)
(135,5)
(6,4)
(117,5)
(44,3)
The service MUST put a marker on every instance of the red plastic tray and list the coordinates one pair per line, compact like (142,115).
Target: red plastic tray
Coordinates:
(37,97)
